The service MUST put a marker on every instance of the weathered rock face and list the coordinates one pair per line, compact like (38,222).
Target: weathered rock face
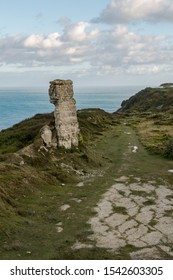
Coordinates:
(66,123)
(46,135)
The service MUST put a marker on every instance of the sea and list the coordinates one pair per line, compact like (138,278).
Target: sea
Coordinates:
(17,104)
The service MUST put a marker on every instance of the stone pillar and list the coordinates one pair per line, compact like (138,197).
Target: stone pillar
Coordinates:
(66,123)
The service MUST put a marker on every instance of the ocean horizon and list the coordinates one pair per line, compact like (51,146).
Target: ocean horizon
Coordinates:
(17,104)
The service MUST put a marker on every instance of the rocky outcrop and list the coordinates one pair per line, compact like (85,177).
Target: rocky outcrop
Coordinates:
(66,123)
(46,135)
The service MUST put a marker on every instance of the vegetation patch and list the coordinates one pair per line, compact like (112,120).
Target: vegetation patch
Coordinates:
(168,213)
(153,222)
(139,193)
(124,253)
(169,196)
(121,192)
(120,209)
(149,99)
(149,202)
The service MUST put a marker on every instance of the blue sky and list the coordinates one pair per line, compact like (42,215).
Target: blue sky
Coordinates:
(26,17)
(93,42)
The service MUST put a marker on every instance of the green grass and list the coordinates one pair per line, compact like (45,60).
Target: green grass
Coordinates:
(149,202)
(153,222)
(119,209)
(23,133)
(168,213)
(139,193)
(31,195)
(121,192)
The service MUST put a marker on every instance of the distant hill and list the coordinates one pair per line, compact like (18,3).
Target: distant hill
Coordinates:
(150,99)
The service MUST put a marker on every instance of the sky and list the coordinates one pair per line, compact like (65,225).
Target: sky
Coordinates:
(93,42)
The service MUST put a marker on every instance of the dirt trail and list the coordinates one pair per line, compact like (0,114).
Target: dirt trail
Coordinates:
(134,212)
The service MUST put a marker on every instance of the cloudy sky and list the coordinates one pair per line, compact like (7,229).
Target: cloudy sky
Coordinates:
(93,42)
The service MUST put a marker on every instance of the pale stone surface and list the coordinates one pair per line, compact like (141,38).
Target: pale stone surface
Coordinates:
(59,229)
(46,135)
(133,211)
(167,250)
(126,202)
(152,238)
(165,225)
(80,184)
(120,187)
(170,238)
(140,231)
(78,245)
(105,209)
(122,179)
(77,200)
(116,220)
(110,241)
(145,216)
(134,149)
(66,123)
(146,254)
(97,226)
(143,188)
(148,187)
(139,200)
(140,224)
(127,225)
(64,207)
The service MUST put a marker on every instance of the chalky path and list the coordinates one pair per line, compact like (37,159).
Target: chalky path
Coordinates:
(137,214)
(144,223)
(134,213)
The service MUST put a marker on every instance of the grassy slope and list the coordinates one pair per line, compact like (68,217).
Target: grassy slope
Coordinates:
(154,131)
(27,190)
(34,195)
(150,110)
(40,212)
(150,99)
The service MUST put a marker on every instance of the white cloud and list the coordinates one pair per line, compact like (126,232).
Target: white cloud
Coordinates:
(75,59)
(40,41)
(123,11)
(121,47)
(78,32)
(147,69)
(111,51)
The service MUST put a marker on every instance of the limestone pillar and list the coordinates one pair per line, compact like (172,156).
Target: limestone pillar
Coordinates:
(66,123)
